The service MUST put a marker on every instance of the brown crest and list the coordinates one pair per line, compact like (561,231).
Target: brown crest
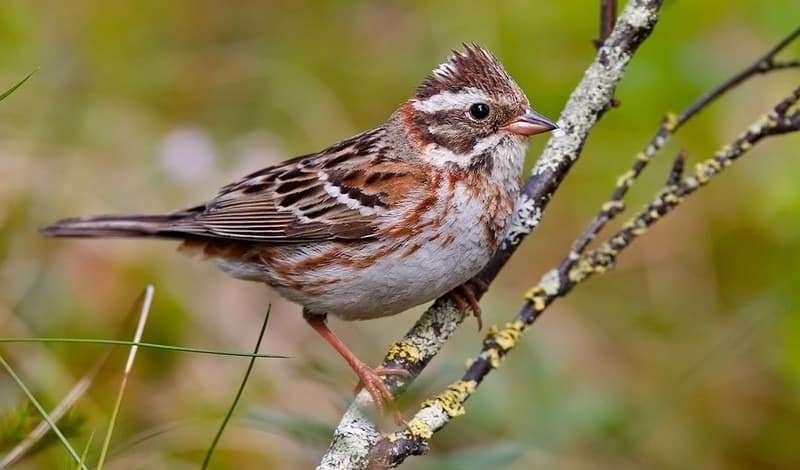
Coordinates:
(473,67)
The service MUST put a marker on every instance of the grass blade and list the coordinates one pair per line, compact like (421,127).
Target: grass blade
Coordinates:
(14,88)
(85,452)
(115,342)
(228,415)
(147,301)
(41,411)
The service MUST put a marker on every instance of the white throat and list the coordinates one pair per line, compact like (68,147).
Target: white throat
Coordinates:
(506,151)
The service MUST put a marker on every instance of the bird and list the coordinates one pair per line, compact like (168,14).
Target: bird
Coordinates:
(383,221)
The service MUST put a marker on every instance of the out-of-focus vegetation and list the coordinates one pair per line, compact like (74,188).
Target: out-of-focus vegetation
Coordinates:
(687,356)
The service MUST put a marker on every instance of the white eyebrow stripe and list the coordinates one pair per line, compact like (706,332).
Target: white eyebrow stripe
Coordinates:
(448,100)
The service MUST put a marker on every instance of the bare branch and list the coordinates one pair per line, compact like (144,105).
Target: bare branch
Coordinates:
(762,65)
(608,16)
(786,64)
(676,171)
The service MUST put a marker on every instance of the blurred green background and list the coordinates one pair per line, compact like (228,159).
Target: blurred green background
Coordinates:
(686,356)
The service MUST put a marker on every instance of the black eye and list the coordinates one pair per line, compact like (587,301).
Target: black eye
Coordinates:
(479,111)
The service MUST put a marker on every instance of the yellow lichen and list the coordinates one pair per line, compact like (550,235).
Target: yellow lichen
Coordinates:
(536,297)
(626,179)
(581,271)
(493,357)
(700,173)
(507,337)
(451,400)
(403,350)
(613,205)
(417,428)
(670,122)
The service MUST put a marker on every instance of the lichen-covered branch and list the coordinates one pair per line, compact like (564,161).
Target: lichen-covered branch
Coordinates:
(669,126)
(437,412)
(356,434)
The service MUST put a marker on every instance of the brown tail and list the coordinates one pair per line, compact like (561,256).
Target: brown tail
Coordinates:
(175,225)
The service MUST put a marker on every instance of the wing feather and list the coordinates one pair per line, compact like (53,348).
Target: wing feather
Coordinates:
(337,194)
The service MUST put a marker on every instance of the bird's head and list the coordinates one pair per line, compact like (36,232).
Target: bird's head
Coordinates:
(468,108)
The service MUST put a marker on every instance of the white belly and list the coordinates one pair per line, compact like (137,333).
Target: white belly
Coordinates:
(396,282)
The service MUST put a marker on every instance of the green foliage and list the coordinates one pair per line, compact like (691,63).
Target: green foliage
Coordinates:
(15,424)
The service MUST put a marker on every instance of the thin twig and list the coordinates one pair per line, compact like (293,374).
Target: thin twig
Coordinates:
(764,64)
(676,170)
(218,435)
(785,64)
(608,16)
(438,411)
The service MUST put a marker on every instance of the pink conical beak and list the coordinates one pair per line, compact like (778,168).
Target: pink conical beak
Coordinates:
(530,123)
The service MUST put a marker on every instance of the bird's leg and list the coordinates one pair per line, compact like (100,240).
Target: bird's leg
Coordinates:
(370,378)
(466,297)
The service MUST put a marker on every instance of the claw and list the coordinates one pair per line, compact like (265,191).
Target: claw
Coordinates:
(464,297)
(380,372)
(371,379)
